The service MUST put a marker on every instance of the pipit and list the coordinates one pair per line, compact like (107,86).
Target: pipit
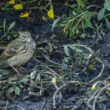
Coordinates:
(18,51)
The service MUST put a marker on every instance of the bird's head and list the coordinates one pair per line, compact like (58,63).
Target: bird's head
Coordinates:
(26,37)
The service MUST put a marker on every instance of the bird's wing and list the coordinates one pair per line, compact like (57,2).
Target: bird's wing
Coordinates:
(12,49)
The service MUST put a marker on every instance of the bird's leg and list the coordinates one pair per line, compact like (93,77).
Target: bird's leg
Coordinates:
(19,74)
(24,69)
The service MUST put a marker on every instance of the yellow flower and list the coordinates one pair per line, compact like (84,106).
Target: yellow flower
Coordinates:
(64,29)
(51,14)
(53,80)
(44,18)
(11,2)
(24,15)
(18,7)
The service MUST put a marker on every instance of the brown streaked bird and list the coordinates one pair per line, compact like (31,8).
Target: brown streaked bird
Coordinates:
(18,51)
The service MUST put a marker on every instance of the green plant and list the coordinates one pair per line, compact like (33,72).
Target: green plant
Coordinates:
(7,29)
(83,18)
(104,13)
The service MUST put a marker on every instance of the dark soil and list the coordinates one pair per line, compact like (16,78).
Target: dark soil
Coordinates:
(73,97)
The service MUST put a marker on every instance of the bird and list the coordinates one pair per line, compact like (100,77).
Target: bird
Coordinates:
(18,51)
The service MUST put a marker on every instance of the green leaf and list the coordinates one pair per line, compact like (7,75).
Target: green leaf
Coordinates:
(64,65)
(38,78)
(24,80)
(11,25)
(53,26)
(17,91)
(50,47)
(101,14)
(107,5)
(11,79)
(11,90)
(72,32)
(91,67)
(80,3)
(88,24)
(54,23)
(4,25)
(94,35)
(4,72)
(6,5)
(79,51)
(107,23)
(108,91)
(83,35)
(66,50)
(90,15)
(92,6)
(89,92)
